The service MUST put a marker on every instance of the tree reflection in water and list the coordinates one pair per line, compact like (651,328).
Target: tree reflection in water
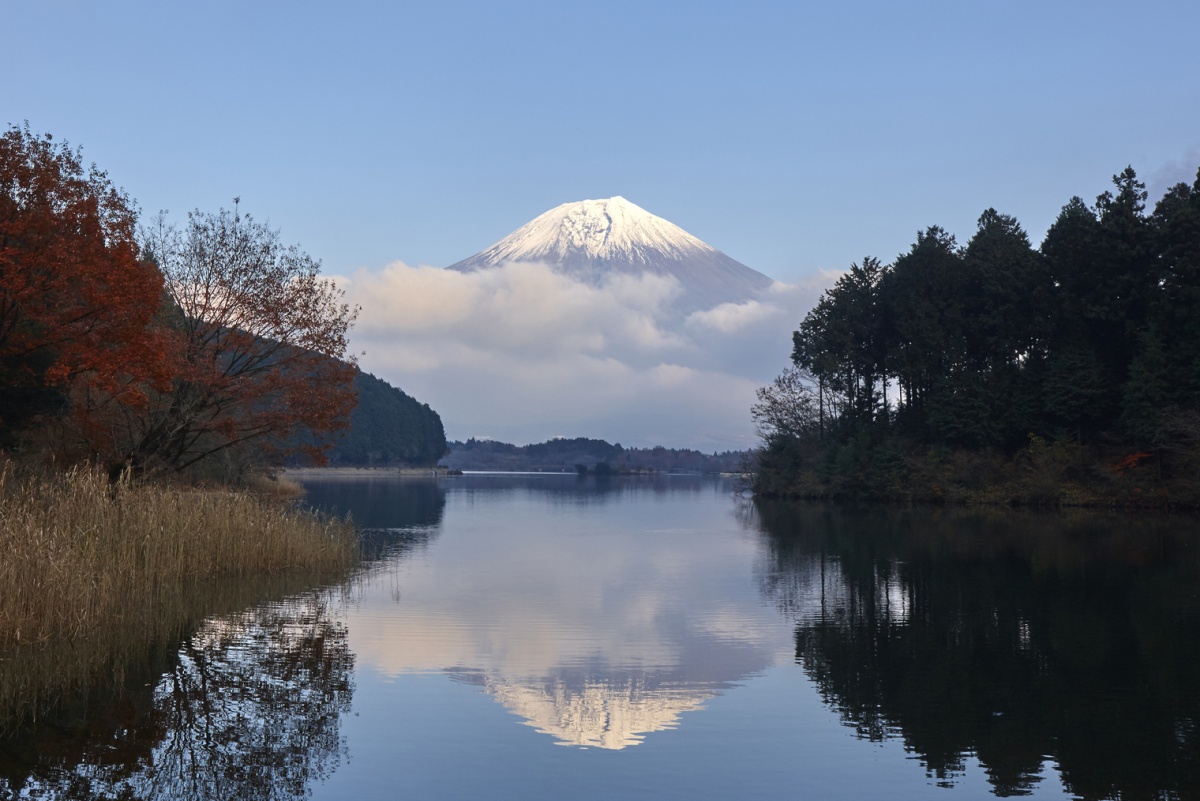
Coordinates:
(1019,639)
(248,706)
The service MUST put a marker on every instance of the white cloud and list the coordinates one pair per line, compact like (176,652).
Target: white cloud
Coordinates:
(1179,171)
(730,317)
(523,353)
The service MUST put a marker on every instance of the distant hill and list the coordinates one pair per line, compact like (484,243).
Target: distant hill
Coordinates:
(595,455)
(388,428)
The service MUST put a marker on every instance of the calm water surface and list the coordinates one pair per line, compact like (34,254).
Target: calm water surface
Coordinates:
(551,637)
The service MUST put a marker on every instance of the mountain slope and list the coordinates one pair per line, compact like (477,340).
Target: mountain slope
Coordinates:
(590,240)
(387,427)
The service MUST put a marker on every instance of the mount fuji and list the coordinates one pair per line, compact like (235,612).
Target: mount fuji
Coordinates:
(593,240)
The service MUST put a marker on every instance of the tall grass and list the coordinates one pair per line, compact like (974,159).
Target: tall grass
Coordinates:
(79,555)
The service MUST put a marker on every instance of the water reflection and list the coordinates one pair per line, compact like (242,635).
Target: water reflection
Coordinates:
(395,515)
(599,710)
(247,706)
(583,490)
(587,607)
(602,614)
(1017,639)
(379,502)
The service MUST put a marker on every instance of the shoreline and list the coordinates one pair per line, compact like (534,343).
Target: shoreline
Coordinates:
(319,472)
(95,572)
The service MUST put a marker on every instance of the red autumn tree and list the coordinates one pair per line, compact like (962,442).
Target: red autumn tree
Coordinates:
(260,345)
(76,301)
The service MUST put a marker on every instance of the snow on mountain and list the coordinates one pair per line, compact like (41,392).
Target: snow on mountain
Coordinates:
(591,240)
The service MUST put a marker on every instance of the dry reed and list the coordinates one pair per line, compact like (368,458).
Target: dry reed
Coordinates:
(79,556)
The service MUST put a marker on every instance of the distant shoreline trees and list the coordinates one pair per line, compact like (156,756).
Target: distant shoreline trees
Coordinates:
(1092,340)
(582,456)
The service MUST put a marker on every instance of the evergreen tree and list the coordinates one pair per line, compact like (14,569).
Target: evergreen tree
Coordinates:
(1094,339)
(924,299)
(842,343)
(1174,308)
(1008,313)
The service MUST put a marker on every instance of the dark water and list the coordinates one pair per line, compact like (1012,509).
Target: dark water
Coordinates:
(550,637)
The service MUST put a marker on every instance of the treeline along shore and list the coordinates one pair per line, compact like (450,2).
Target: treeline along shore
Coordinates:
(583,455)
(997,372)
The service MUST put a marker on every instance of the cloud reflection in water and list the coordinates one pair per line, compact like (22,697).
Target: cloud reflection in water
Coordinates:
(597,629)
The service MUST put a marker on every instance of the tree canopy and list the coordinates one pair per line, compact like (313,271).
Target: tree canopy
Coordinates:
(259,343)
(1091,338)
(162,348)
(76,301)
(388,427)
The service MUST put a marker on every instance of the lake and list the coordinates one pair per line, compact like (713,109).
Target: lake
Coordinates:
(551,636)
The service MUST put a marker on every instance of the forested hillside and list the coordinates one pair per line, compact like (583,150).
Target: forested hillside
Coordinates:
(1073,366)
(388,427)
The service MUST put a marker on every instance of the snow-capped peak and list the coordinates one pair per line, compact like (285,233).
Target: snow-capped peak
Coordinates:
(601,230)
(591,240)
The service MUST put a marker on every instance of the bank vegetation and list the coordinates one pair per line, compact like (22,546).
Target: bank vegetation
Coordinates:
(1062,374)
(138,363)
(82,553)
(98,574)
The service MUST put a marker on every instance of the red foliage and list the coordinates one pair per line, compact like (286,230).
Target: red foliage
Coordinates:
(1132,460)
(222,336)
(76,301)
(262,344)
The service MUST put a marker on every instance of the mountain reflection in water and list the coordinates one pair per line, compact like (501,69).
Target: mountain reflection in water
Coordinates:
(748,649)
(594,632)
(1014,638)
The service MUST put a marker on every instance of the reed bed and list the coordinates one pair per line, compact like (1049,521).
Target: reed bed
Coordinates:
(80,556)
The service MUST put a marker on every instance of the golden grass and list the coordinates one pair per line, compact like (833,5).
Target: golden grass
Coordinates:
(274,487)
(80,556)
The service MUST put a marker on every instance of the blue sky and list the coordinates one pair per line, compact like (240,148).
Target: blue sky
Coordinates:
(796,137)
(793,136)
